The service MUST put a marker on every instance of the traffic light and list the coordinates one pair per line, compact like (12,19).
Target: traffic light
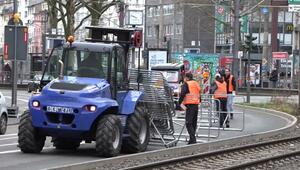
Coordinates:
(249,44)
(137,39)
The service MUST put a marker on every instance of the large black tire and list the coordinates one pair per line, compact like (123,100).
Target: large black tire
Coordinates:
(29,139)
(108,136)
(65,144)
(3,124)
(138,129)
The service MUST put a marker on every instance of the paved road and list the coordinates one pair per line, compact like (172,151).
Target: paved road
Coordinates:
(12,159)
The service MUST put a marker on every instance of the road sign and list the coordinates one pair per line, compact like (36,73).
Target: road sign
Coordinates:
(22,42)
(294,2)
(294,8)
(280,55)
(265,10)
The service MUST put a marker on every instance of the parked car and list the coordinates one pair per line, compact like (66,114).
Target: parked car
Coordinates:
(3,115)
(34,84)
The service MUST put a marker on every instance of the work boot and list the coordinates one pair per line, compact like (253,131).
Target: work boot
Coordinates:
(227,125)
(231,115)
(192,141)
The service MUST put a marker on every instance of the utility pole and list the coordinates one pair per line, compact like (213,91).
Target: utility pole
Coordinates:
(14,107)
(248,67)
(298,67)
(161,25)
(265,54)
(235,64)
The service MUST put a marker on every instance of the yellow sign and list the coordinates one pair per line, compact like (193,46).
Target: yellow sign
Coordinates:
(290,27)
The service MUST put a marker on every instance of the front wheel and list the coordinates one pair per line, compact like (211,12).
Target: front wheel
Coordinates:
(3,124)
(109,136)
(30,141)
(138,130)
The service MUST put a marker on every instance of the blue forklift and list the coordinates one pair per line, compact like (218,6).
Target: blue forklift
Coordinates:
(90,99)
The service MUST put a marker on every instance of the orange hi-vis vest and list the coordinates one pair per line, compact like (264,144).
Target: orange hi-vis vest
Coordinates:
(193,97)
(221,91)
(230,86)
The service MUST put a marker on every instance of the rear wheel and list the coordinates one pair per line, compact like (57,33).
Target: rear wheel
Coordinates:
(138,130)
(109,136)
(3,124)
(30,141)
(65,144)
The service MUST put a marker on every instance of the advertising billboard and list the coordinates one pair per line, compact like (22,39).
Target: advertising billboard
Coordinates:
(157,57)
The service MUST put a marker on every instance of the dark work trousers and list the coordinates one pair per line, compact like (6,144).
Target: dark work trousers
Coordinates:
(223,114)
(191,117)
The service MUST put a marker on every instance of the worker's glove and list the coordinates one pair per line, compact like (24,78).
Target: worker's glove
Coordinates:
(233,93)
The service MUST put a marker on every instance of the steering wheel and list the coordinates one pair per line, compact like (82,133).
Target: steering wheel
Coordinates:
(90,72)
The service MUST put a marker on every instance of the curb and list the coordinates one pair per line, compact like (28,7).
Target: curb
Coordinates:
(166,153)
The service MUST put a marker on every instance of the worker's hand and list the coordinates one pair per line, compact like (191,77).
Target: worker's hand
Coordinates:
(233,93)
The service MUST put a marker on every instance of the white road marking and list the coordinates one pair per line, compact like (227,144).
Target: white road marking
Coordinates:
(18,150)
(12,151)
(23,100)
(11,144)
(8,138)
(13,134)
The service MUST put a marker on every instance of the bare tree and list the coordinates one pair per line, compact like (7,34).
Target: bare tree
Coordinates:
(98,7)
(66,10)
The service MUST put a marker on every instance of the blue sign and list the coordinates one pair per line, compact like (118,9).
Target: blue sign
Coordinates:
(265,10)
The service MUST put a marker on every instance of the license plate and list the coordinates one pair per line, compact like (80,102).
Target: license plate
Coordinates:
(57,109)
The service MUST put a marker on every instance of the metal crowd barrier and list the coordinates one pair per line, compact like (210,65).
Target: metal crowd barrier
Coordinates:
(208,120)
(158,99)
(236,98)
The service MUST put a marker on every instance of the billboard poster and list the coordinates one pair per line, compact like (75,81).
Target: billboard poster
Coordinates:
(198,63)
(157,57)
(254,74)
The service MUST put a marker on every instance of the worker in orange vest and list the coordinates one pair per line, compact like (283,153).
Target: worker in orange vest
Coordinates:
(219,91)
(190,98)
(231,86)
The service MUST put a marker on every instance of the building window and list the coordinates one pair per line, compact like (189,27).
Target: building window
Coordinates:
(168,29)
(149,31)
(168,9)
(178,29)
(150,12)
(156,11)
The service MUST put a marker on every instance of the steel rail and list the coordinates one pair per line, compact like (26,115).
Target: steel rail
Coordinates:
(262,161)
(159,164)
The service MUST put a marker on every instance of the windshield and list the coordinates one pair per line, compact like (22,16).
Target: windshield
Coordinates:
(52,67)
(86,64)
(171,76)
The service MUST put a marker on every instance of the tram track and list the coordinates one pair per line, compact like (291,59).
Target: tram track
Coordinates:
(260,156)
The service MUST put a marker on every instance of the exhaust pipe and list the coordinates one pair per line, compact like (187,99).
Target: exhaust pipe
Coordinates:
(61,73)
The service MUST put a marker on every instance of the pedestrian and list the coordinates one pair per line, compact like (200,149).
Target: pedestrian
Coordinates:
(274,77)
(218,89)
(231,87)
(190,98)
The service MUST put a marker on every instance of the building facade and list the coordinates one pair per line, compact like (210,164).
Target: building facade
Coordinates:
(180,26)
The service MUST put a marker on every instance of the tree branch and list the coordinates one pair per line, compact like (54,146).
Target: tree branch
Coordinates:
(81,22)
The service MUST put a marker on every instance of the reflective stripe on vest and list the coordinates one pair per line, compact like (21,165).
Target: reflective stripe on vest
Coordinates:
(221,91)
(193,97)
(230,86)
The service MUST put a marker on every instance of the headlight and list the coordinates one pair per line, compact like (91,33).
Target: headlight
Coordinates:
(35,103)
(91,108)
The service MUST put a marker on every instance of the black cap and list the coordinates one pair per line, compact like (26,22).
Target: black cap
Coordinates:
(189,76)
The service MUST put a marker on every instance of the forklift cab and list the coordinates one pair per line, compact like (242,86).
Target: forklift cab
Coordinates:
(102,57)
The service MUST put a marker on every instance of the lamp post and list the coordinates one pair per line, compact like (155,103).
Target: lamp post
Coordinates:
(44,21)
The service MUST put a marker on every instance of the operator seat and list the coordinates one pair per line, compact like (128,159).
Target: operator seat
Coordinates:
(91,67)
